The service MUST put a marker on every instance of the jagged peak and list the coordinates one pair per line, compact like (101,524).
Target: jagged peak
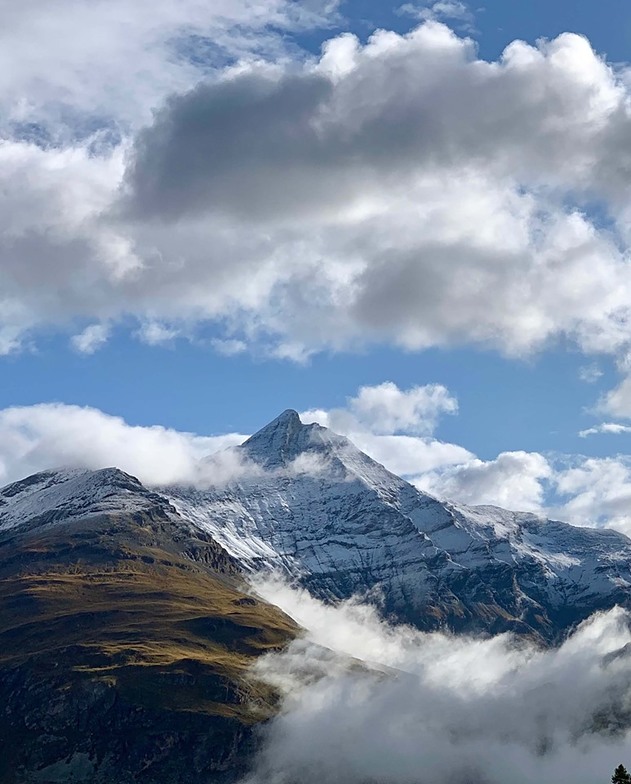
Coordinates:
(289,420)
(286,437)
(289,416)
(279,440)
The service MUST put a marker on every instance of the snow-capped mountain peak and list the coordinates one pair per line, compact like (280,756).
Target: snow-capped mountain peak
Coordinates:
(318,509)
(288,444)
(345,524)
(285,438)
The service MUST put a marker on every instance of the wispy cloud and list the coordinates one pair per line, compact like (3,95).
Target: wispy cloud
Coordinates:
(442,11)
(611,428)
(91,339)
(437,708)
(590,373)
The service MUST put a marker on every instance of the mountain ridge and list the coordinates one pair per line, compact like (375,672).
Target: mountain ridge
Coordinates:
(331,518)
(312,506)
(151,630)
(127,639)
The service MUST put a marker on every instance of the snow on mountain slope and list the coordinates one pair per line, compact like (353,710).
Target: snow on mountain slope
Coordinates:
(310,504)
(320,510)
(61,495)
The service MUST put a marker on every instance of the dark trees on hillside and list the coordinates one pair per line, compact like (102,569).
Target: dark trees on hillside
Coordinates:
(621,776)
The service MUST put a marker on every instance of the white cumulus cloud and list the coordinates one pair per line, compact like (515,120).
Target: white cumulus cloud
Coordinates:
(514,480)
(617,402)
(596,491)
(269,199)
(395,426)
(40,437)
(584,491)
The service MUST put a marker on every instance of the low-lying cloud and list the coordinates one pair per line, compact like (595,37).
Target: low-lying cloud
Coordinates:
(514,480)
(585,491)
(36,438)
(396,426)
(437,709)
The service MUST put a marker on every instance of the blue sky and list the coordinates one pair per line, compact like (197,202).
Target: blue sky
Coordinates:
(497,23)
(201,242)
(504,404)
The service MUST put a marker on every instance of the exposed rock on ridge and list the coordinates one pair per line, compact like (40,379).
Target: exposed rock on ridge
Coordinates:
(326,514)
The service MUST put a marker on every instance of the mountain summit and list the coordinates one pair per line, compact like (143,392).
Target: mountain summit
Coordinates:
(327,515)
(286,438)
(144,667)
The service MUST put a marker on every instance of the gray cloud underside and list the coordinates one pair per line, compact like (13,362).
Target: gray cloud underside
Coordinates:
(270,143)
(402,191)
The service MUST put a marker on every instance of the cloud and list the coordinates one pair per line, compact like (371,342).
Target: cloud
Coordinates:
(617,402)
(449,111)
(48,435)
(577,489)
(432,708)
(228,347)
(385,422)
(395,426)
(612,428)
(384,408)
(104,65)
(155,333)
(402,191)
(514,480)
(455,233)
(442,10)
(410,456)
(596,491)
(76,83)
(590,373)
(35,438)
(584,491)
(91,339)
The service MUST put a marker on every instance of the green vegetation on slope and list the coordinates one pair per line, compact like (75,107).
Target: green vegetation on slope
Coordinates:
(120,646)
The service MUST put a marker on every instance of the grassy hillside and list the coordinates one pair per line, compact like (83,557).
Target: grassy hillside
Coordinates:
(126,649)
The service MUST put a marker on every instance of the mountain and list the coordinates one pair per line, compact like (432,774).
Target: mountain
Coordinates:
(126,635)
(127,631)
(307,502)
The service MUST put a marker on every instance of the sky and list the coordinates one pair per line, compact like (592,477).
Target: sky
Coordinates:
(409,221)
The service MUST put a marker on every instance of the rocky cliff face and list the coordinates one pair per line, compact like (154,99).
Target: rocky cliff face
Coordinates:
(313,506)
(125,639)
